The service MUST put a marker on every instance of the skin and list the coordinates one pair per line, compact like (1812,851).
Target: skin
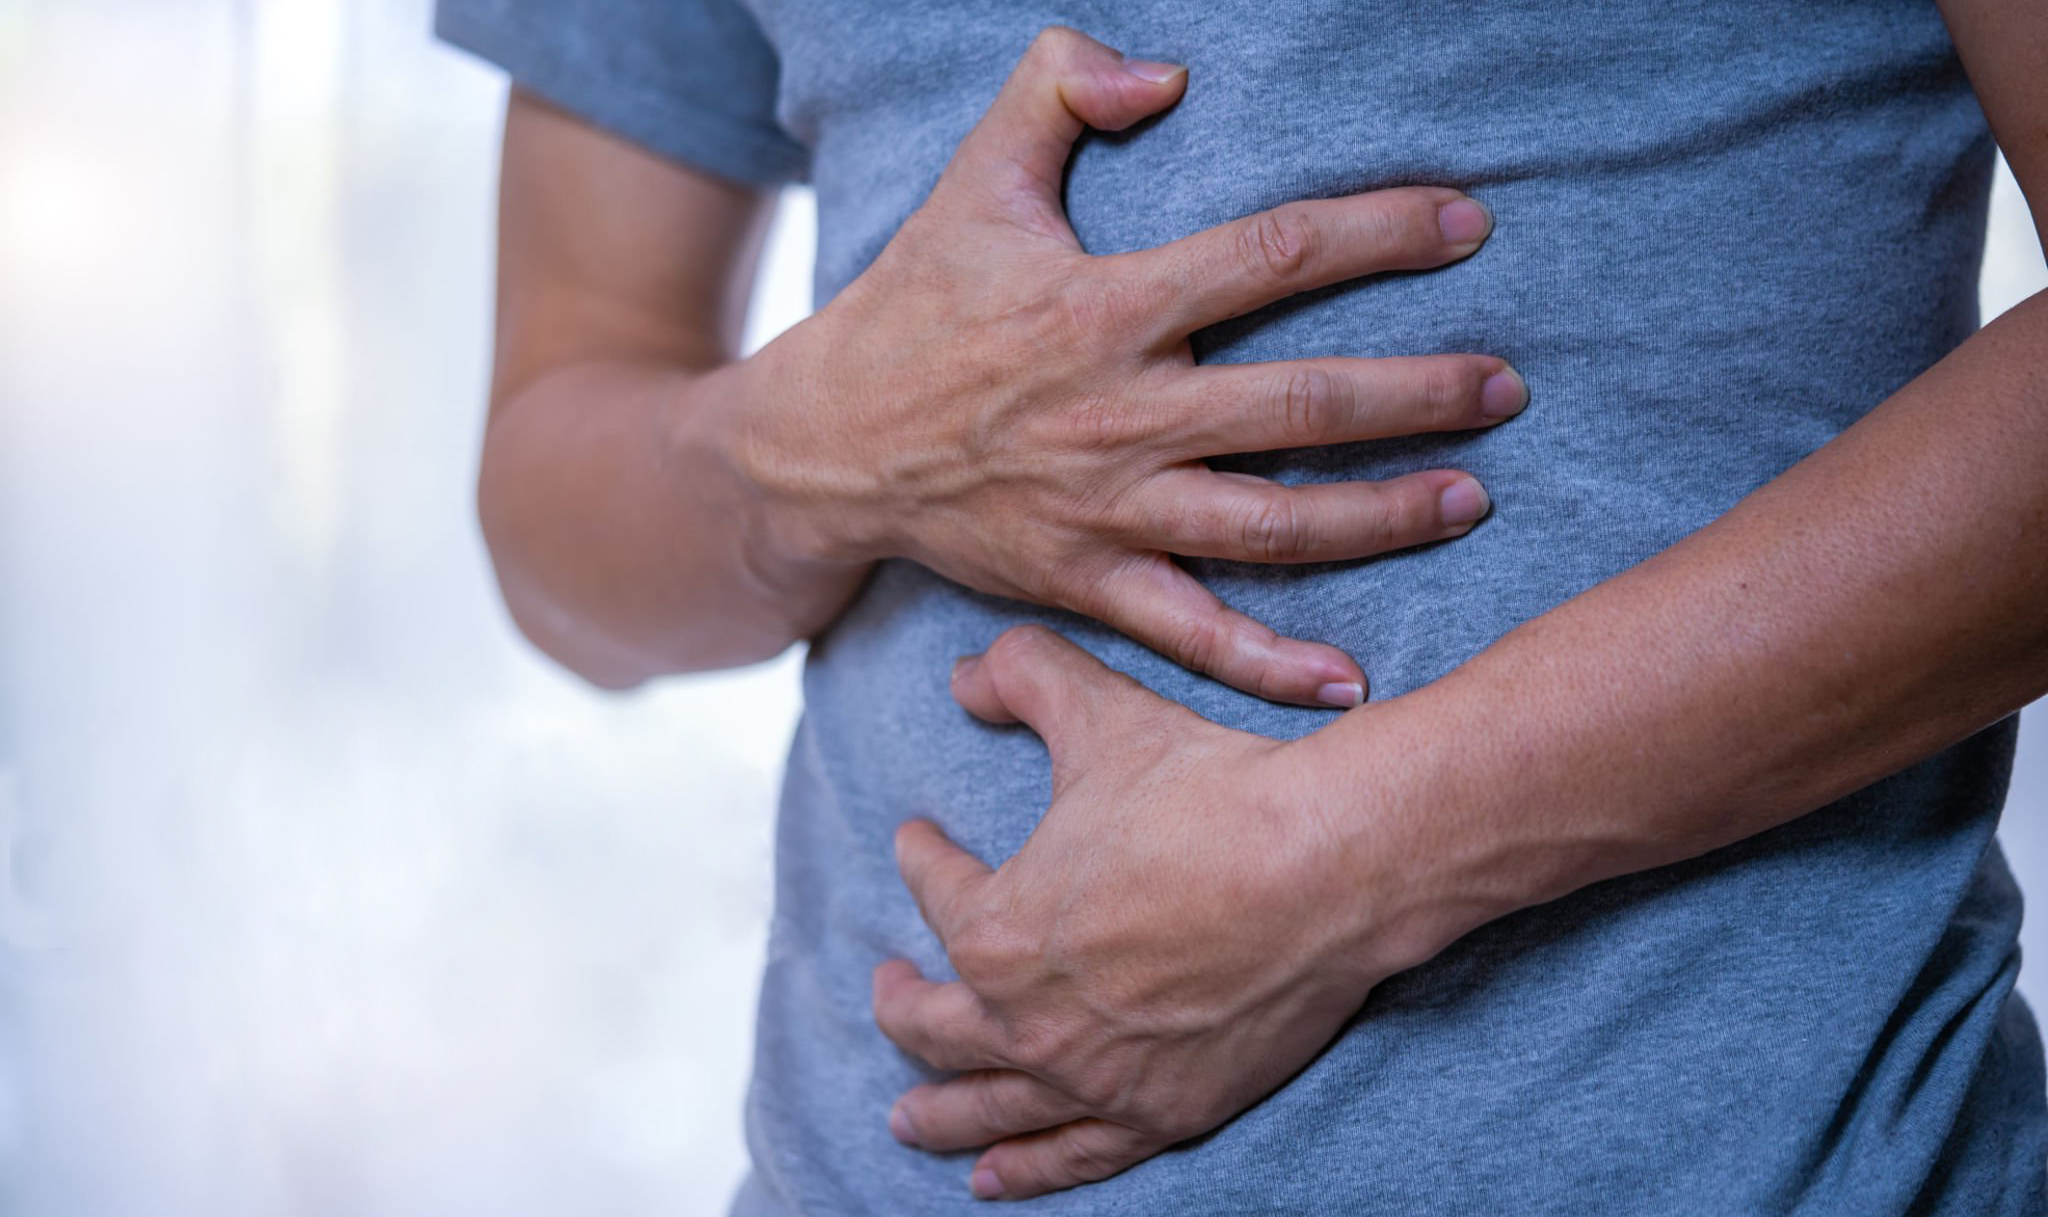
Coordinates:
(1856,614)
(986,399)
(1879,601)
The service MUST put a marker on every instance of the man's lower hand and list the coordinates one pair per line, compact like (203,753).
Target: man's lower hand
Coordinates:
(1179,936)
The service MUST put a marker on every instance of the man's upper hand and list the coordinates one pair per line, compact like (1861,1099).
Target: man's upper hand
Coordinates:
(1027,419)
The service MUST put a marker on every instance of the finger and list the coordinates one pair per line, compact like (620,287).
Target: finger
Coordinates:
(1231,269)
(944,1025)
(941,876)
(1034,676)
(1065,82)
(976,692)
(978,1109)
(1306,403)
(1086,1151)
(1156,602)
(1200,513)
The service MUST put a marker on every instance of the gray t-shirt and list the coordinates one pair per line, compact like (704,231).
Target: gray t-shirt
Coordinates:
(1725,231)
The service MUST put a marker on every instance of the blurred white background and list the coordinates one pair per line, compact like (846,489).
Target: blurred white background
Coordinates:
(327,896)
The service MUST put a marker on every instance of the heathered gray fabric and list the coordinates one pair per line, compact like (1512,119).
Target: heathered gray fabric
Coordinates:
(1724,232)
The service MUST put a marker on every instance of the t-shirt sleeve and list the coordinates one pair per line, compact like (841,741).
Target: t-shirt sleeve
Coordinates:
(693,80)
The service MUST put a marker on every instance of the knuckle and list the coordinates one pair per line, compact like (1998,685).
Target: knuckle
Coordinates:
(1097,422)
(1045,1047)
(1274,529)
(1094,1157)
(1056,37)
(1197,643)
(1269,683)
(1015,647)
(988,1107)
(1380,524)
(1412,223)
(1037,582)
(1165,521)
(887,1014)
(1277,245)
(1395,228)
(1125,517)
(1099,1092)
(1308,399)
(1173,1127)
(1085,307)
(1168,1121)
(1449,389)
(1075,585)
(1055,46)
(987,949)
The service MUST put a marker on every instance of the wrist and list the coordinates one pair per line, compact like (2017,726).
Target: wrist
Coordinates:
(1442,820)
(762,421)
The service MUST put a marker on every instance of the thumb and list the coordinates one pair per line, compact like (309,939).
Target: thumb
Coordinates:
(1066,82)
(1070,698)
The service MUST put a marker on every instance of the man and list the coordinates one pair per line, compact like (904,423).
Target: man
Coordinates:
(1657,877)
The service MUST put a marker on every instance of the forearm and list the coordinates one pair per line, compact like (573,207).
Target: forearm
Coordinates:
(627,543)
(1882,599)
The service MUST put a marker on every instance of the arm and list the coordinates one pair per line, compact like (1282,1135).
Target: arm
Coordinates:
(1882,599)
(623,282)
(986,399)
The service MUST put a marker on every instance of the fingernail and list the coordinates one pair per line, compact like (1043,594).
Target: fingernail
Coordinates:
(1503,395)
(1464,222)
(1156,73)
(964,666)
(985,1185)
(1342,695)
(900,1126)
(1462,502)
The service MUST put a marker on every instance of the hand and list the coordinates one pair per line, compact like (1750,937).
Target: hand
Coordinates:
(1026,419)
(1180,935)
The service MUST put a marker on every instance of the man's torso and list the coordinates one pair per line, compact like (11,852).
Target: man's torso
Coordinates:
(1723,234)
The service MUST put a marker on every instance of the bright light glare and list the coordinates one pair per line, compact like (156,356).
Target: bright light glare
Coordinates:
(60,205)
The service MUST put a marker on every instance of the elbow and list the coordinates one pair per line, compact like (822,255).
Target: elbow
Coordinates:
(558,636)
(603,669)
(543,622)
(584,610)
